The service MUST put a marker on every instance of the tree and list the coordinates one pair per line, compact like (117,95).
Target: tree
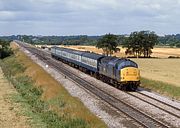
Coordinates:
(149,39)
(141,43)
(133,44)
(5,50)
(108,43)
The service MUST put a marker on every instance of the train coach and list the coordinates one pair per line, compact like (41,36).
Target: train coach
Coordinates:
(84,60)
(120,72)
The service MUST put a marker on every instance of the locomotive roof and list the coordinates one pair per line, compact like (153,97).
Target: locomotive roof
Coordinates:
(113,60)
(108,59)
(120,62)
(92,55)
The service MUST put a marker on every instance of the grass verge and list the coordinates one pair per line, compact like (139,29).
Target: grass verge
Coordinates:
(48,103)
(161,87)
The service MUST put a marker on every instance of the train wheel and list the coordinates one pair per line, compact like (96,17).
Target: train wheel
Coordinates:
(123,87)
(134,88)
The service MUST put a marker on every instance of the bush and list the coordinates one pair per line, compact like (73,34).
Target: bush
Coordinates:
(5,49)
(173,57)
(178,45)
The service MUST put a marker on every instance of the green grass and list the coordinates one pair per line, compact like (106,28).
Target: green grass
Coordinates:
(161,87)
(36,109)
(11,67)
(34,120)
(31,96)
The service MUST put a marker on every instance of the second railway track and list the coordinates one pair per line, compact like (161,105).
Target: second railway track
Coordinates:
(156,103)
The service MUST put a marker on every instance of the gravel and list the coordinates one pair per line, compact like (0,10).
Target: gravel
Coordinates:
(167,100)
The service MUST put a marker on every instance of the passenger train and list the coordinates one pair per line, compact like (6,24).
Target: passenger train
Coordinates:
(119,72)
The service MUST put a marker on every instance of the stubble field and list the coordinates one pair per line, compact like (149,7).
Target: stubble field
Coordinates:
(165,70)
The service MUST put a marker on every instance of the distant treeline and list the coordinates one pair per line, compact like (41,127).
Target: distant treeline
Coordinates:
(170,40)
(167,40)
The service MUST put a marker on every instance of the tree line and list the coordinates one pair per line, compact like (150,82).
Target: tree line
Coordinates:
(138,43)
(59,40)
(167,40)
(170,40)
(141,43)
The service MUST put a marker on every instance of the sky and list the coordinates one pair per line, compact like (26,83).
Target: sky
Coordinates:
(88,17)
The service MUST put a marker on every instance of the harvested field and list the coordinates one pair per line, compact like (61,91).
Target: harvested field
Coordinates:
(166,52)
(157,52)
(9,110)
(165,70)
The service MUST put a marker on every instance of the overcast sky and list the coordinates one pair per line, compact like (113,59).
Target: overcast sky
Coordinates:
(91,17)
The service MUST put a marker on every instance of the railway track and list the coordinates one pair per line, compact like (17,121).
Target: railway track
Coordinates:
(156,103)
(129,110)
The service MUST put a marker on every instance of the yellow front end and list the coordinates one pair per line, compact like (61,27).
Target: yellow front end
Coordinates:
(130,74)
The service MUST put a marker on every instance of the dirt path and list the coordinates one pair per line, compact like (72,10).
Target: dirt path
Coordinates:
(9,117)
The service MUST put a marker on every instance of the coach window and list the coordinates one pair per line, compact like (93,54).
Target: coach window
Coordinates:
(77,57)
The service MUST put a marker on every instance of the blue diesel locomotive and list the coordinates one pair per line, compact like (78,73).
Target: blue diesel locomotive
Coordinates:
(120,72)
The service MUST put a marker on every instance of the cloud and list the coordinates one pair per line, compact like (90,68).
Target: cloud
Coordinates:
(88,16)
